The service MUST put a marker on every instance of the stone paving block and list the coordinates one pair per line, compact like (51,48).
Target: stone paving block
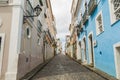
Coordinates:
(64,68)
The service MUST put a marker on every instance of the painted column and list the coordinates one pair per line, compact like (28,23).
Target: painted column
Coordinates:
(15,39)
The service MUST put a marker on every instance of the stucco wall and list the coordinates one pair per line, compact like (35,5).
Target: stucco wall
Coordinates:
(103,52)
(31,52)
(6,17)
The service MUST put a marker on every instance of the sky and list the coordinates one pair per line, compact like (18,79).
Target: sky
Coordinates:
(61,11)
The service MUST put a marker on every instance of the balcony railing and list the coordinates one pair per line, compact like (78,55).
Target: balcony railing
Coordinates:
(91,6)
(80,24)
(29,8)
(85,16)
(3,1)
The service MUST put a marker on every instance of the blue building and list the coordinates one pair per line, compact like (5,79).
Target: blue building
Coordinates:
(99,35)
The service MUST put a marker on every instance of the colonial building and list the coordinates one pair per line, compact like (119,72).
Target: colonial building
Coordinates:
(73,31)
(51,31)
(98,31)
(59,46)
(25,38)
(67,45)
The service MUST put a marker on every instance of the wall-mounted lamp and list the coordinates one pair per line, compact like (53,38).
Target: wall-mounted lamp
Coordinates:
(37,11)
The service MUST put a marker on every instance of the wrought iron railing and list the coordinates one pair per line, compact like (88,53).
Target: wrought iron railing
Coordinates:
(29,9)
(85,16)
(91,6)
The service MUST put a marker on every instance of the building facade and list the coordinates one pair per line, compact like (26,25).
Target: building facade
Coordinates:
(25,40)
(74,43)
(67,45)
(59,46)
(98,30)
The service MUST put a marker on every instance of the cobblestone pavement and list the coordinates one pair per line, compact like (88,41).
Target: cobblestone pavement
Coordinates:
(63,68)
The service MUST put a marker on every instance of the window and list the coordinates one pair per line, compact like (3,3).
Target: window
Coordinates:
(28,32)
(39,25)
(45,15)
(41,3)
(0,43)
(99,23)
(114,10)
(38,41)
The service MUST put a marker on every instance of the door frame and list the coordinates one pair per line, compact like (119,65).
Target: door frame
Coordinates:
(2,35)
(90,55)
(85,53)
(115,58)
(80,46)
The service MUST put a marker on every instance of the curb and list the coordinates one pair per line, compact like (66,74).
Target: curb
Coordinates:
(32,73)
(100,73)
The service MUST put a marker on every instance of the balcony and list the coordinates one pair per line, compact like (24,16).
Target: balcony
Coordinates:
(85,16)
(3,1)
(80,24)
(29,9)
(91,6)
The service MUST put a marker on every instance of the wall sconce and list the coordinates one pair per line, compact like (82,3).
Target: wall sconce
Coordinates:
(37,11)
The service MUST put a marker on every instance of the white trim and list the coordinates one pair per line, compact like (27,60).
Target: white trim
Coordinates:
(2,35)
(115,57)
(80,47)
(111,11)
(84,60)
(97,32)
(91,34)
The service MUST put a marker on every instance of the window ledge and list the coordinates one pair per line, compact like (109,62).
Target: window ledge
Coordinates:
(115,22)
(99,34)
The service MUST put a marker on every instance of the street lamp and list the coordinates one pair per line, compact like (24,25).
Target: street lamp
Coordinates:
(37,10)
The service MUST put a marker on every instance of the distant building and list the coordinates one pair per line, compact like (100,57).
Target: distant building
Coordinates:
(67,45)
(98,30)
(59,46)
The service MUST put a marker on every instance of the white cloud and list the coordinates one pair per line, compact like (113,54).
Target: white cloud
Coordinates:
(61,10)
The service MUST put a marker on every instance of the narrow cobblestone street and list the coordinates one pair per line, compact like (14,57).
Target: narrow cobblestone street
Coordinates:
(63,68)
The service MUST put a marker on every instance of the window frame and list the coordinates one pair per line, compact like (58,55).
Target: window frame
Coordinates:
(97,26)
(112,15)
(39,26)
(28,35)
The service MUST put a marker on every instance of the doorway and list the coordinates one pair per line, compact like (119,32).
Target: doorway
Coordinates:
(91,52)
(2,36)
(80,51)
(117,59)
(84,51)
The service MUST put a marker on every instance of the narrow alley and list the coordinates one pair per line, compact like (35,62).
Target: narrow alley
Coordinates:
(63,68)
(59,40)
